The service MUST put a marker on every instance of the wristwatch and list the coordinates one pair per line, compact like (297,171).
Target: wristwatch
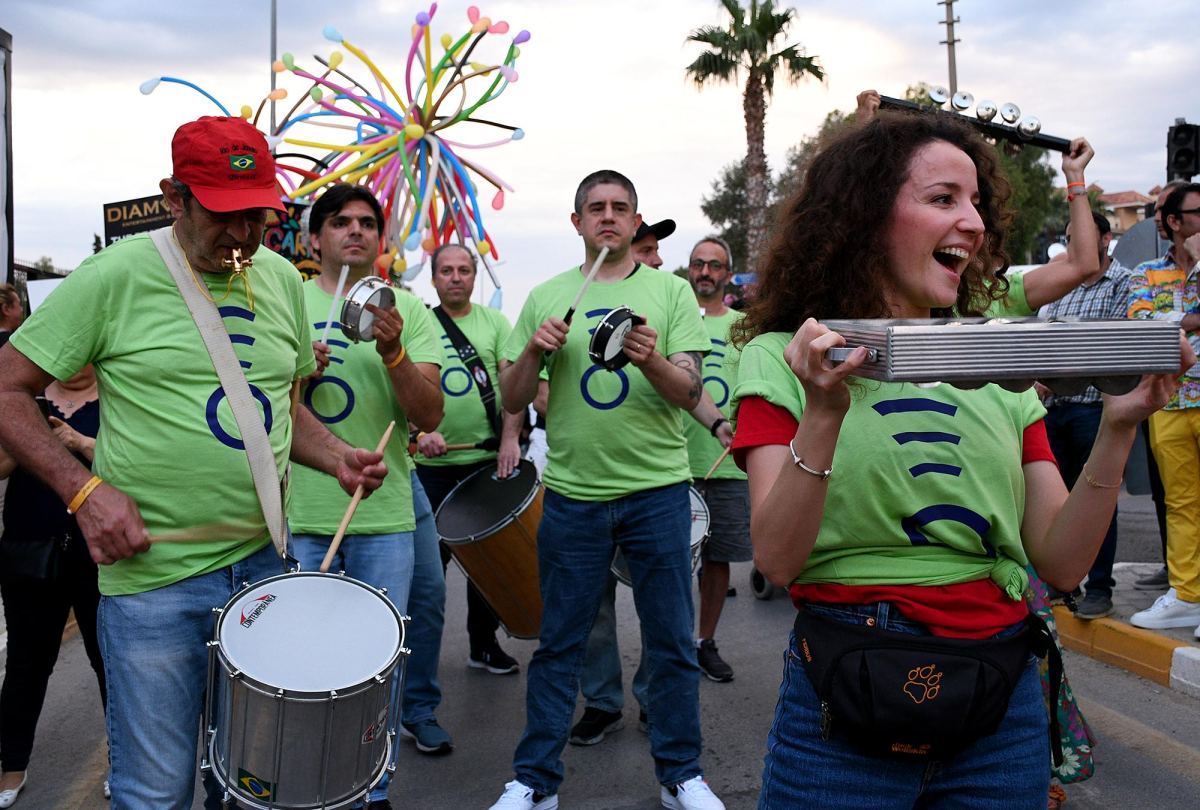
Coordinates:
(715,425)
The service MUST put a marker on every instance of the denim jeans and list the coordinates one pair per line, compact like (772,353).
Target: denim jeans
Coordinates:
(380,560)
(427,606)
(600,678)
(156,663)
(1072,429)
(576,543)
(1008,770)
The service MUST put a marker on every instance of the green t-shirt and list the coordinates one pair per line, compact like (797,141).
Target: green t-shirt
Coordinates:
(167,436)
(465,420)
(927,485)
(610,433)
(355,399)
(720,374)
(1015,305)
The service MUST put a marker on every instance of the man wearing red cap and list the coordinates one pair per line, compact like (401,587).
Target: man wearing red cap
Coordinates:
(170,461)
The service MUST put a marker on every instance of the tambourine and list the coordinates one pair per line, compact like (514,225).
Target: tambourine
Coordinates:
(356,320)
(608,341)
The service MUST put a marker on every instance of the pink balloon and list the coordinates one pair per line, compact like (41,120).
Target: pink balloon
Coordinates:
(473,14)
(499,28)
(498,200)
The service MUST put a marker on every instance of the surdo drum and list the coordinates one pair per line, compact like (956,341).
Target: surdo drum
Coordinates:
(620,568)
(608,341)
(303,675)
(490,526)
(357,322)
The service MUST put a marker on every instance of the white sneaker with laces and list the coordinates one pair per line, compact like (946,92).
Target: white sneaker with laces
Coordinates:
(694,794)
(1167,611)
(522,797)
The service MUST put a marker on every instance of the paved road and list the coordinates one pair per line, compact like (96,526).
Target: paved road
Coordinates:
(1148,756)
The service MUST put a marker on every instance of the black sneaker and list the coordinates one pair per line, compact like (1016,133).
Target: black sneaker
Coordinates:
(1158,581)
(711,664)
(379,804)
(594,724)
(493,659)
(1095,606)
(1057,597)
(643,722)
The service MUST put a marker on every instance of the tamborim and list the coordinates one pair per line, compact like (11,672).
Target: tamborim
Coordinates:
(356,320)
(607,347)
(620,568)
(303,675)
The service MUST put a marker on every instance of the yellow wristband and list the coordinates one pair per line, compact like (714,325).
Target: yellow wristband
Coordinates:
(82,495)
(396,362)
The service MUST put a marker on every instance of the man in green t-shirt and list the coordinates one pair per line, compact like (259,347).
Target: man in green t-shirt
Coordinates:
(723,486)
(617,477)
(468,421)
(170,463)
(358,390)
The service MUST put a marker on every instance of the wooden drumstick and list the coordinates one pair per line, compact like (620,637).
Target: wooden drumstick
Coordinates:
(718,464)
(358,493)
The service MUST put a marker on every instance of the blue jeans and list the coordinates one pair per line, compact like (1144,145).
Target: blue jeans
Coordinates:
(156,663)
(1008,770)
(380,560)
(1072,429)
(600,678)
(427,606)
(576,543)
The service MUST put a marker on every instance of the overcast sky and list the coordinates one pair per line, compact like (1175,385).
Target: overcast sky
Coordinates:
(601,86)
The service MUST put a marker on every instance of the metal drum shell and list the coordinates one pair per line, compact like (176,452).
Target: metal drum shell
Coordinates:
(501,559)
(620,568)
(354,307)
(296,740)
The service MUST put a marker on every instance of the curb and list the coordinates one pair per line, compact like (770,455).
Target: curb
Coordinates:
(1166,661)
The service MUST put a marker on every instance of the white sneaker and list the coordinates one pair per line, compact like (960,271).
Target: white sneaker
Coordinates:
(9,797)
(107,790)
(522,797)
(694,794)
(1168,610)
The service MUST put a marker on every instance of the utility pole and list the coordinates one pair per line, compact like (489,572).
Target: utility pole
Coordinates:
(950,40)
(273,58)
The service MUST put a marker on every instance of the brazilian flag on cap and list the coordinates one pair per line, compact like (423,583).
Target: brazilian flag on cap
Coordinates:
(254,786)
(241,163)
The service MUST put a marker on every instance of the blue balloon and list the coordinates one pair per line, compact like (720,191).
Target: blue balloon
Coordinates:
(332,34)
(518,134)
(413,241)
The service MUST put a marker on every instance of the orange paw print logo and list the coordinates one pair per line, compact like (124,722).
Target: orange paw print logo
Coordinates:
(923,684)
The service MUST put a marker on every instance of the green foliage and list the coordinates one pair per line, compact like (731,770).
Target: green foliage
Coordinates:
(1039,208)
(800,156)
(729,211)
(45,263)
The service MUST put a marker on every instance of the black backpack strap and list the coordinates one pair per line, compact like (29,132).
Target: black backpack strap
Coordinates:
(1042,644)
(474,364)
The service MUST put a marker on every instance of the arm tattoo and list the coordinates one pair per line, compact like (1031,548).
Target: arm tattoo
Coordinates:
(691,364)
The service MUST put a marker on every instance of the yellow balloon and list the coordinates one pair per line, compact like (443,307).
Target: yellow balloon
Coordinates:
(447,41)
(247,111)
(335,59)
(400,265)
(414,131)
(483,247)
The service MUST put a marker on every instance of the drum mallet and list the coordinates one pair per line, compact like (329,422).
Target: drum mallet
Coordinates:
(587,282)
(720,458)
(358,493)
(334,307)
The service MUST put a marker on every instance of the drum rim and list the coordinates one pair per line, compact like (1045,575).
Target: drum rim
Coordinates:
(501,524)
(305,694)
(606,325)
(352,304)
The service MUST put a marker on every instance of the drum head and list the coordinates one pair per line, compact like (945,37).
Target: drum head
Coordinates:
(481,505)
(607,346)
(309,632)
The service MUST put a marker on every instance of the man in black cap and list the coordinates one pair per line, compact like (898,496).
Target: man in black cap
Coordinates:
(645,242)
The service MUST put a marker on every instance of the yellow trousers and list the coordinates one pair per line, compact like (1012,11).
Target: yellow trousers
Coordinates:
(1175,441)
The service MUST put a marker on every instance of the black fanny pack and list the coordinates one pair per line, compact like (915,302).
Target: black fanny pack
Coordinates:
(925,697)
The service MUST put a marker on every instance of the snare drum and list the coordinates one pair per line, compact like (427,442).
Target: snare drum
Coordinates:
(607,346)
(620,568)
(303,678)
(356,320)
(490,527)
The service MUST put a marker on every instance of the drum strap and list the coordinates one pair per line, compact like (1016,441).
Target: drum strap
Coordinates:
(474,364)
(233,382)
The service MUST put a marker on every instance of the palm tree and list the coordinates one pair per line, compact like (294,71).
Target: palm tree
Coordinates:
(748,43)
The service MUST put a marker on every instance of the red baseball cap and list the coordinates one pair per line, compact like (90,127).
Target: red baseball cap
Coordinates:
(226,163)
